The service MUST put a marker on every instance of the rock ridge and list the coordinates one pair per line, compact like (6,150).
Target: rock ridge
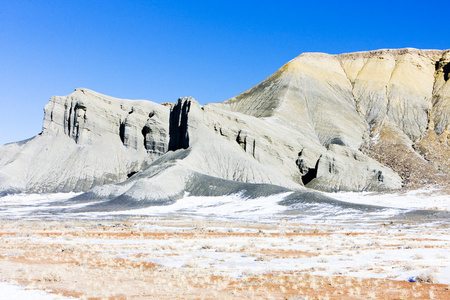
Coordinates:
(353,122)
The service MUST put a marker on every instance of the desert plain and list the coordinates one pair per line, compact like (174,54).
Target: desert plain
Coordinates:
(243,252)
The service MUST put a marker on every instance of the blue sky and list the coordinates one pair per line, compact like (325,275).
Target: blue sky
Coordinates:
(162,50)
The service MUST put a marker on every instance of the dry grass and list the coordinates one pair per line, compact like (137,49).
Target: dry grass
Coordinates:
(114,264)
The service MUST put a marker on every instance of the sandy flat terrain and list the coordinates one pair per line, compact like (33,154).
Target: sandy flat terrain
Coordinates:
(228,248)
(156,258)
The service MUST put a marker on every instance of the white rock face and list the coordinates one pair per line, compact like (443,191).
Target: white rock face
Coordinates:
(441,97)
(88,139)
(303,126)
(394,83)
(334,171)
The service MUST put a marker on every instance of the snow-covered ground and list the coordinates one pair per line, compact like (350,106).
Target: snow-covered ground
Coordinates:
(353,243)
(59,206)
(425,198)
(10,291)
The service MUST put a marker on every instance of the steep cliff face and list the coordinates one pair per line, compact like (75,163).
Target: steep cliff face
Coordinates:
(354,100)
(88,139)
(397,84)
(440,114)
(360,121)
(406,104)
(178,127)
(88,118)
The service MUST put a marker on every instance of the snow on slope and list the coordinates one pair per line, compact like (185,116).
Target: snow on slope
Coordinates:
(425,198)
(233,206)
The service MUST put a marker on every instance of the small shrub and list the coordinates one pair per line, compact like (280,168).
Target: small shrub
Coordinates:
(427,277)
(51,277)
(262,258)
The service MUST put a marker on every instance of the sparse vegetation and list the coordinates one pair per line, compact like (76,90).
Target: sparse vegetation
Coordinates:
(136,259)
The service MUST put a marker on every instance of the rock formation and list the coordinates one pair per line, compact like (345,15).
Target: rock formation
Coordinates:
(326,122)
(385,103)
(88,139)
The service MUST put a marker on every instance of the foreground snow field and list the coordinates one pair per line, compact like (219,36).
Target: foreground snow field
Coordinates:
(15,292)
(227,246)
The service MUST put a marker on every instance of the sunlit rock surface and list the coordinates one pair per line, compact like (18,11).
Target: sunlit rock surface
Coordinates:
(88,139)
(327,122)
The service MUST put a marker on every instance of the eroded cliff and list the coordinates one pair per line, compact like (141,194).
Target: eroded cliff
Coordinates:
(375,121)
(88,139)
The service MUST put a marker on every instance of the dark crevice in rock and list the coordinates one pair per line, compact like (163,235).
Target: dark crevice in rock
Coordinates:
(240,139)
(69,121)
(310,175)
(79,116)
(131,174)
(247,142)
(446,70)
(380,176)
(154,140)
(178,125)
(80,106)
(304,163)
(146,132)
(73,116)
(336,141)
(122,132)
(75,127)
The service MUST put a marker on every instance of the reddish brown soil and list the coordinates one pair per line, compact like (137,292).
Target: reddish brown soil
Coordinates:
(84,273)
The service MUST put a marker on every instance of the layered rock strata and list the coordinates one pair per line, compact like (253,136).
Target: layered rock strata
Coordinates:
(327,122)
(88,139)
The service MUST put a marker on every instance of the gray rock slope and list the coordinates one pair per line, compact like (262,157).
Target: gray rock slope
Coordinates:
(306,126)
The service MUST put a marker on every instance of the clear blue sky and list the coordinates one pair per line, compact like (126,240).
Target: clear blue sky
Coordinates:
(162,50)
